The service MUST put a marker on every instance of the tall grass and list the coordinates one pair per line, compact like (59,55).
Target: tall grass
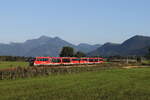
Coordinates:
(22,72)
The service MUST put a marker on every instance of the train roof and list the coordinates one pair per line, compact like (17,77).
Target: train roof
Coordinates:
(72,57)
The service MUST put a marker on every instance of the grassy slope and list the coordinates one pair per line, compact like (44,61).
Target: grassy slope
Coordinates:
(10,64)
(112,84)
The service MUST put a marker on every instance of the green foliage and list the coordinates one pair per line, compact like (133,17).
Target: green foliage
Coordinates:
(139,59)
(114,84)
(80,54)
(67,52)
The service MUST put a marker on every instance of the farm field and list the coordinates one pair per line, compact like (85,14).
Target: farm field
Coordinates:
(110,84)
(12,64)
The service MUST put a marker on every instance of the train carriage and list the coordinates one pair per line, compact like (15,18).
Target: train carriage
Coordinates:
(66,60)
(42,61)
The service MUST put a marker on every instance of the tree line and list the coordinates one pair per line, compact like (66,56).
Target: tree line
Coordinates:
(12,58)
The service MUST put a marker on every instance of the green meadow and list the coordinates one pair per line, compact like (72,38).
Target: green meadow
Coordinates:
(12,64)
(108,84)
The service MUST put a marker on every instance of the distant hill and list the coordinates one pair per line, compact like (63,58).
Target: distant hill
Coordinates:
(137,45)
(87,47)
(42,46)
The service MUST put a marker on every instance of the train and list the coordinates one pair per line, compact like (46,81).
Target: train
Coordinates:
(66,60)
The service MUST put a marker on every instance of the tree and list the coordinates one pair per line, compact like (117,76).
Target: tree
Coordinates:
(67,52)
(80,54)
(139,59)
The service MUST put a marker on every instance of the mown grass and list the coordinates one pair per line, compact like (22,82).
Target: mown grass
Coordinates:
(111,84)
(146,62)
(11,64)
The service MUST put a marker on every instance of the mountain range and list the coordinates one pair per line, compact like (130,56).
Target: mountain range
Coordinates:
(48,46)
(42,46)
(137,45)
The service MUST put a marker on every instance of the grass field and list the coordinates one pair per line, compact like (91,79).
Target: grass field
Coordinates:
(10,64)
(110,84)
(146,62)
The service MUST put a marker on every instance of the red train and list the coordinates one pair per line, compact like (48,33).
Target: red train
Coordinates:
(66,60)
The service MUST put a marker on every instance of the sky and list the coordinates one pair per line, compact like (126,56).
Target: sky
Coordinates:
(77,21)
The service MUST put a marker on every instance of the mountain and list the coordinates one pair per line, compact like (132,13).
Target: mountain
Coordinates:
(87,47)
(105,50)
(137,45)
(42,46)
(48,47)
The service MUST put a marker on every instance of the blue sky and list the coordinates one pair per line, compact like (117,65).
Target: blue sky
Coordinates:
(77,21)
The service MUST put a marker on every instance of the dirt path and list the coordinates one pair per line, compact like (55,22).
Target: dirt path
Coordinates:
(127,67)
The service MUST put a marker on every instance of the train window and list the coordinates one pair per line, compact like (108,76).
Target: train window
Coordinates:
(45,59)
(96,60)
(91,60)
(66,60)
(56,60)
(76,59)
(84,59)
(100,59)
(42,59)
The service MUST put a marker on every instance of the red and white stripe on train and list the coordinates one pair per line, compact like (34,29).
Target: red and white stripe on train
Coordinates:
(66,60)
